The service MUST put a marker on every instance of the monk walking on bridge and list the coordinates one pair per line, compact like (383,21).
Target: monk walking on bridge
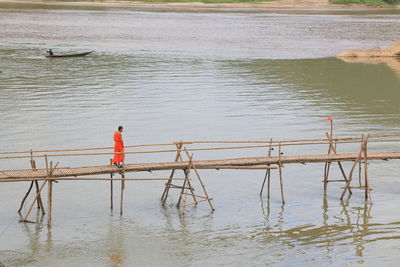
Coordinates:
(118,159)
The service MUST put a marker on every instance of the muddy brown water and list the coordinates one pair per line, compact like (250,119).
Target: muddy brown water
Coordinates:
(170,74)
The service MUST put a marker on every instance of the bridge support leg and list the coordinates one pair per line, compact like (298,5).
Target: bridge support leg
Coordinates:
(111,188)
(169,182)
(267,173)
(280,175)
(39,199)
(332,150)
(122,189)
(187,185)
(362,156)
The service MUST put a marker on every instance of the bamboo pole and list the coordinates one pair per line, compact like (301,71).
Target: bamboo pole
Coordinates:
(201,182)
(33,202)
(356,139)
(24,198)
(280,176)
(39,199)
(183,188)
(340,167)
(174,150)
(267,172)
(111,188)
(168,184)
(367,191)
(122,188)
(49,191)
(188,181)
(328,164)
(347,187)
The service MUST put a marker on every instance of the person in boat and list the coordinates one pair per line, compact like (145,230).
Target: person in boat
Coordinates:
(118,159)
(50,52)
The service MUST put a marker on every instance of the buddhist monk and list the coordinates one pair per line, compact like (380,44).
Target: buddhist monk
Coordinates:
(118,159)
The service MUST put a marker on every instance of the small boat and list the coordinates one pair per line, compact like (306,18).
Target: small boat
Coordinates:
(71,55)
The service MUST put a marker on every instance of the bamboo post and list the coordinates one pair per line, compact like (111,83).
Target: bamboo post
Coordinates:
(122,188)
(201,183)
(188,181)
(169,182)
(33,203)
(50,199)
(367,189)
(280,175)
(24,198)
(267,172)
(39,199)
(334,151)
(49,191)
(328,164)
(183,188)
(350,178)
(49,188)
(111,188)
(330,148)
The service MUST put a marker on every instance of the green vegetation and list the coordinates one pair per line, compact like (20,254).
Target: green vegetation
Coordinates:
(370,2)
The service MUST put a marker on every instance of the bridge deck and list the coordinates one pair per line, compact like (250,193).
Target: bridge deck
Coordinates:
(8,175)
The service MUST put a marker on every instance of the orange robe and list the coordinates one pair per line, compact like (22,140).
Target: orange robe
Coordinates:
(118,147)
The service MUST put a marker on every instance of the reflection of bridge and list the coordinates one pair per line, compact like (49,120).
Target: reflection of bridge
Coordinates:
(52,173)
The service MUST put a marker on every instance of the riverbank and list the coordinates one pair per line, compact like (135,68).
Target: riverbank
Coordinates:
(279,4)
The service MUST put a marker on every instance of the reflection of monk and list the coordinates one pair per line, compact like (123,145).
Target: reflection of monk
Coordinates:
(118,159)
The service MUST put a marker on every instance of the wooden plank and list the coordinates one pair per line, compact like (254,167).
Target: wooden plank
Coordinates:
(105,169)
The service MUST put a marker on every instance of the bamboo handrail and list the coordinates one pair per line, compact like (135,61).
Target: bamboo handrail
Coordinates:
(192,149)
(283,142)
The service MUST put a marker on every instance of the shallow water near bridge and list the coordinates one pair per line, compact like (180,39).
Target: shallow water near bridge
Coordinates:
(170,74)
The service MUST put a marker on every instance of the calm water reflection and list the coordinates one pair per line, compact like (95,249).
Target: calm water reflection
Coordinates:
(171,74)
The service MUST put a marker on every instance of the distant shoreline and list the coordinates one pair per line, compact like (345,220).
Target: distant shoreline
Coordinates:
(279,4)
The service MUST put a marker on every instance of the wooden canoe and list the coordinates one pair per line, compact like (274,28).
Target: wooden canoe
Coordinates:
(71,55)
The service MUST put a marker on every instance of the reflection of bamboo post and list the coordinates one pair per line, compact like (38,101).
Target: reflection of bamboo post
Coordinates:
(280,174)
(111,187)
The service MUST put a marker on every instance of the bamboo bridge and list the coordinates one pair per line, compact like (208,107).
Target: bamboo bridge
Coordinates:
(184,162)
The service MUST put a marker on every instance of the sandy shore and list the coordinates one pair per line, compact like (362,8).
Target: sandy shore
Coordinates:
(281,4)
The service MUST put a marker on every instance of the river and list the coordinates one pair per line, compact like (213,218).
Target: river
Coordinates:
(169,74)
